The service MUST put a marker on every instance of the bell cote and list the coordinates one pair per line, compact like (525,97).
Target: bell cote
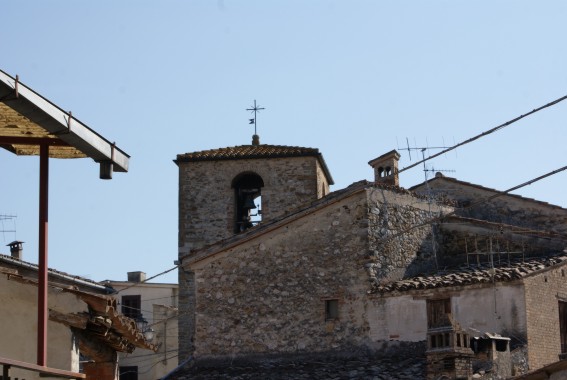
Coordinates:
(386,168)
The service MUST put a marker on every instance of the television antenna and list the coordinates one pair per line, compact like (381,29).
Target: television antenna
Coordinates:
(3,228)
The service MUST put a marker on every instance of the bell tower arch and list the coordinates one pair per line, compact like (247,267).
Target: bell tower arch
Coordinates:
(247,199)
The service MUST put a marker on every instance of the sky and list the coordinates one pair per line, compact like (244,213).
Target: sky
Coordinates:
(354,79)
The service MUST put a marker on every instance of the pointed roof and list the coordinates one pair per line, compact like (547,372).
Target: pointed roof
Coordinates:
(247,152)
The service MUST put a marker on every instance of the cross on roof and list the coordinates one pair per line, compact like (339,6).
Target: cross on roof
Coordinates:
(254,109)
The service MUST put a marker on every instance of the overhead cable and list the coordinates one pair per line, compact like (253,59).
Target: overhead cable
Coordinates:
(501,126)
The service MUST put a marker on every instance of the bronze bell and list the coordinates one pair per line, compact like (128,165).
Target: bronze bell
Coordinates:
(248,203)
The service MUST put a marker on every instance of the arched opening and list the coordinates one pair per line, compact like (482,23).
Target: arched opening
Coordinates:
(248,200)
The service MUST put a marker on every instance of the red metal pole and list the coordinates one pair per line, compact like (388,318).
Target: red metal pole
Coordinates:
(42,273)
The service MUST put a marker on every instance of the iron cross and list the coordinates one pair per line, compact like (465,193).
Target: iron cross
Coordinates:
(255,109)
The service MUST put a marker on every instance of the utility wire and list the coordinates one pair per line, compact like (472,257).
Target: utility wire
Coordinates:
(498,194)
(501,126)
(147,279)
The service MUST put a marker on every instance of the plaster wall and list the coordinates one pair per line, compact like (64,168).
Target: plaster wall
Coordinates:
(159,308)
(500,309)
(162,294)
(404,316)
(400,318)
(18,328)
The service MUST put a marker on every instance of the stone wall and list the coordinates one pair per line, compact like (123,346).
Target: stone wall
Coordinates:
(396,248)
(543,293)
(206,198)
(186,320)
(507,209)
(268,295)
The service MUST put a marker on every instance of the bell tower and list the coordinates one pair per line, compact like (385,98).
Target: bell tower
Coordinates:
(227,191)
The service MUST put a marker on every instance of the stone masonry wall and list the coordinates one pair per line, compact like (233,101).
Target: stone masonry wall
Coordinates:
(206,198)
(268,295)
(503,209)
(395,249)
(206,210)
(543,293)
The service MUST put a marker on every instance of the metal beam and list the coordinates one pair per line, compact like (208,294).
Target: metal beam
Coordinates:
(42,312)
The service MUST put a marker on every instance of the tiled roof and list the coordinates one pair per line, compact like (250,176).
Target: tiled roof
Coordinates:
(9,260)
(386,366)
(248,151)
(473,274)
(242,152)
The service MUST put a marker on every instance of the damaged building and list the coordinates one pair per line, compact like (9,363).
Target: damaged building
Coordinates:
(274,267)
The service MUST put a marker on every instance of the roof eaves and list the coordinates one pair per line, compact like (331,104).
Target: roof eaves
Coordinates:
(59,123)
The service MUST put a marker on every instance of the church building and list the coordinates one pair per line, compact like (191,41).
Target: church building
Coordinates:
(273,264)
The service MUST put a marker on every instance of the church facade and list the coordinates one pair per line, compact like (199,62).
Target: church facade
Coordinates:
(272,263)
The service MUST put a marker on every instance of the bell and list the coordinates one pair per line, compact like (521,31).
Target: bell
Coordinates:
(248,203)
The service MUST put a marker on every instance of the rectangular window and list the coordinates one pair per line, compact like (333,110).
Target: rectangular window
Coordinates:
(331,310)
(563,325)
(128,373)
(131,306)
(437,312)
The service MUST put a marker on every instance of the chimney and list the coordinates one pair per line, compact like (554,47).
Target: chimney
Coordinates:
(16,249)
(386,168)
(136,276)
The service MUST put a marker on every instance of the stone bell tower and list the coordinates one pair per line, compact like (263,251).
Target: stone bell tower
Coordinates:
(228,191)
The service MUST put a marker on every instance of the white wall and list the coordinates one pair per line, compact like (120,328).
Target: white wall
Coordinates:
(499,309)
(159,308)
(18,328)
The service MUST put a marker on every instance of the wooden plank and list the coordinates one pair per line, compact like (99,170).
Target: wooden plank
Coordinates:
(41,369)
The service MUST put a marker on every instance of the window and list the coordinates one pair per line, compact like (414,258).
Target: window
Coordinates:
(438,312)
(128,373)
(563,325)
(131,306)
(331,310)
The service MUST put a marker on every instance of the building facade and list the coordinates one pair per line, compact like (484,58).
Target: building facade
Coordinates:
(154,307)
(355,269)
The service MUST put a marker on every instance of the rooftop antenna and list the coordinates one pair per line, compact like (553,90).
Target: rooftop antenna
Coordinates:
(3,229)
(255,109)
(424,149)
(428,189)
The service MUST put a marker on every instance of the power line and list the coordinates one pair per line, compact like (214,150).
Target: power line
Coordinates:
(501,126)
(498,194)
(147,279)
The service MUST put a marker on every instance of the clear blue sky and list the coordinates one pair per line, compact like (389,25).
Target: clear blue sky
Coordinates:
(352,78)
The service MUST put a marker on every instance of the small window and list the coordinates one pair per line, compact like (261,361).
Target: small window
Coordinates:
(438,312)
(331,310)
(131,306)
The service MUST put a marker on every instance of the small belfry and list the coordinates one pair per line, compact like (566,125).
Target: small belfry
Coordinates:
(255,109)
